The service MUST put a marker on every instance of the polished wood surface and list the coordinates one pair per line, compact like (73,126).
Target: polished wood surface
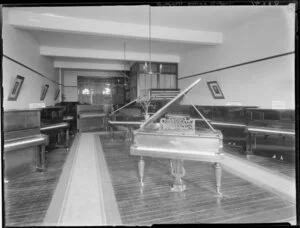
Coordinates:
(265,159)
(27,197)
(242,202)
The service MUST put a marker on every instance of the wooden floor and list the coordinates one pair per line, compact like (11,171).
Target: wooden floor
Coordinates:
(242,202)
(28,196)
(278,166)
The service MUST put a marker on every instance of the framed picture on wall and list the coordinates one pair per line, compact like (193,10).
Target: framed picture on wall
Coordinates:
(15,90)
(57,91)
(44,91)
(215,90)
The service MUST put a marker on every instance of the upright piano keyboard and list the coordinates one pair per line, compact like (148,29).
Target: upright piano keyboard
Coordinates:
(175,137)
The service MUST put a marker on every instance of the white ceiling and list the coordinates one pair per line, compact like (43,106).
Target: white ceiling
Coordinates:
(212,18)
(196,18)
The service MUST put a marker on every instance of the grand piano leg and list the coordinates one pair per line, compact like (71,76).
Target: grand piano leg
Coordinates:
(178,172)
(249,144)
(141,166)
(67,139)
(218,171)
(111,131)
(130,134)
(58,138)
(40,158)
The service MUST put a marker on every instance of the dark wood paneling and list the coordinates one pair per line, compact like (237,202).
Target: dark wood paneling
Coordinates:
(155,203)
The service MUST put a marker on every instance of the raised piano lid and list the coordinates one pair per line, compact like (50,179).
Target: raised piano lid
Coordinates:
(164,109)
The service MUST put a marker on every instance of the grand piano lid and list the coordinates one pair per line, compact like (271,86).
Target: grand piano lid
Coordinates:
(164,109)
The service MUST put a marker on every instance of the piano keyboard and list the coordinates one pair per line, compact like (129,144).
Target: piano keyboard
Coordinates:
(164,150)
(22,142)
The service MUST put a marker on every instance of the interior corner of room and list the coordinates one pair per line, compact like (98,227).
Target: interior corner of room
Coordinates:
(116,103)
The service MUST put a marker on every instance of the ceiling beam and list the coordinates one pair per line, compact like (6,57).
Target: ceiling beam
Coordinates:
(91,66)
(107,55)
(50,22)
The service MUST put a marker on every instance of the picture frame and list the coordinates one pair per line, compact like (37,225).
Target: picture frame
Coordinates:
(44,91)
(57,91)
(15,90)
(215,90)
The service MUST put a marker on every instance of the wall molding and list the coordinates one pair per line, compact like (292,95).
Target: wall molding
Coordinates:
(29,68)
(237,65)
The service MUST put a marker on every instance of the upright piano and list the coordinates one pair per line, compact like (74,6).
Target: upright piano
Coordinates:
(271,130)
(70,114)
(175,137)
(92,117)
(53,125)
(24,145)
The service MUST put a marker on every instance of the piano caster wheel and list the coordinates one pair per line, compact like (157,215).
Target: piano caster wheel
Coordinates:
(142,183)
(219,194)
(178,188)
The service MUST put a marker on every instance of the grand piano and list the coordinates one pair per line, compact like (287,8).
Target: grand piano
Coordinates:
(175,137)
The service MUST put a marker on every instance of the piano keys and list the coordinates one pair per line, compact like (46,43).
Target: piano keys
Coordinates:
(24,145)
(175,137)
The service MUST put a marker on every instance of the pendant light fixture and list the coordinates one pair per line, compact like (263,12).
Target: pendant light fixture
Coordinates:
(125,76)
(150,69)
(147,68)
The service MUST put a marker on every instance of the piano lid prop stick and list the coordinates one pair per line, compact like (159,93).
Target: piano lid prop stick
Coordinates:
(123,106)
(161,111)
(211,127)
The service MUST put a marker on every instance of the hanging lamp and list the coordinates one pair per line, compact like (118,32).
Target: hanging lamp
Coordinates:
(148,70)
(125,76)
